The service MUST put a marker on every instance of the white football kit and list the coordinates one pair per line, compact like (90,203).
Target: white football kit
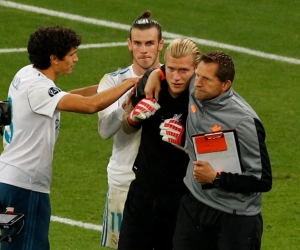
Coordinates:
(29,140)
(119,169)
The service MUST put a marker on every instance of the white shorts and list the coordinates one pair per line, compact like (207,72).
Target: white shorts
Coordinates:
(112,217)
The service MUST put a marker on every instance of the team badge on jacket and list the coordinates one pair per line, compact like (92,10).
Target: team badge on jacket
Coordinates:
(53,91)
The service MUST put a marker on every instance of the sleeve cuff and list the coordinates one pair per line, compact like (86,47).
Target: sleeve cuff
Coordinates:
(162,75)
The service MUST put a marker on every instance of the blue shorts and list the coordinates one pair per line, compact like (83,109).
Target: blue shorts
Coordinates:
(37,210)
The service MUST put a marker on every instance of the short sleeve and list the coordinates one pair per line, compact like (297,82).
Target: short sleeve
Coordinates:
(43,97)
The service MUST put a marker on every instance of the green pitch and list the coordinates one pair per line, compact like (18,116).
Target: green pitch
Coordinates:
(270,86)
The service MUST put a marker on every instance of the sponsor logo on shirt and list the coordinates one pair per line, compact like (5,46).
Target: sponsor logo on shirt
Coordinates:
(53,91)
(193,108)
(216,128)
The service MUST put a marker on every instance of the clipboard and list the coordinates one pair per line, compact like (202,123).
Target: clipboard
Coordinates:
(213,142)
(220,149)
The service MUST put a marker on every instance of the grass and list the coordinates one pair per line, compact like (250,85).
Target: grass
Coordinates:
(271,87)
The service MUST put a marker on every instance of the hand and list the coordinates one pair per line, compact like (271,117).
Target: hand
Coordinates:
(127,103)
(139,91)
(203,172)
(172,131)
(153,85)
(143,110)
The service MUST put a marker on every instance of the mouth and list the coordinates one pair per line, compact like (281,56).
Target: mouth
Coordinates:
(177,85)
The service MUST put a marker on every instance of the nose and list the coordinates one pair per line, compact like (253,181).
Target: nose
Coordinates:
(143,49)
(197,82)
(176,75)
(75,59)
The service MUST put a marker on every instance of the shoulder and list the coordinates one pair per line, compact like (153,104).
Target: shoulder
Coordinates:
(122,73)
(241,104)
(32,78)
(114,78)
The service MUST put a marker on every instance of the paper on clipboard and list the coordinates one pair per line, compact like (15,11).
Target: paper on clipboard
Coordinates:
(219,149)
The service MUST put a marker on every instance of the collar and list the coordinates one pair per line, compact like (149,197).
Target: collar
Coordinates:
(218,102)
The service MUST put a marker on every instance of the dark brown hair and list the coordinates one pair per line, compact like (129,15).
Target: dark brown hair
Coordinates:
(226,69)
(52,40)
(144,22)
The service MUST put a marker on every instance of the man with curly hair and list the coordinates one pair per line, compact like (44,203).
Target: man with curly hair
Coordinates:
(26,162)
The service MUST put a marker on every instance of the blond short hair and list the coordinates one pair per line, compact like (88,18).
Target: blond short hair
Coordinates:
(181,47)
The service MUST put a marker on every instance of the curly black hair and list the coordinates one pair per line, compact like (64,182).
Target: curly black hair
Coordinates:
(53,40)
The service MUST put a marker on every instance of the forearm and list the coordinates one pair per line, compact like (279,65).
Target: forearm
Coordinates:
(92,104)
(109,96)
(244,183)
(127,127)
(110,124)
(153,85)
(256,163)
(86,91)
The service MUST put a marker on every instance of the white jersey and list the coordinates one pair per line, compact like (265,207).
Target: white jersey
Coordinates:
(125,146)
(26,161)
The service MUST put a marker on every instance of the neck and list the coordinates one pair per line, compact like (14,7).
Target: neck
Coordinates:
(140,71)
(48,73)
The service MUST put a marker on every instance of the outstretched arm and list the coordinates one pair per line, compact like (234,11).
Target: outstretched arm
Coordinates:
(86,91)
(88,105)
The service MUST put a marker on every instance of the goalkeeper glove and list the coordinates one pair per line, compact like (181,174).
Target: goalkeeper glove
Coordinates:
(172,131)
(143,110)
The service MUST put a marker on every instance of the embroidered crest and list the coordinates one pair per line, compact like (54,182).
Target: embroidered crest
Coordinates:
(53,91)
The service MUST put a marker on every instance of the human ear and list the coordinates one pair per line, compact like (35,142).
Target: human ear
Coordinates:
(161,45)
(54,59)
(129,43)
(226,85)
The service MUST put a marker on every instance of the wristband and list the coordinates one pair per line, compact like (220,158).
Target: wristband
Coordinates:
(132,123)
(217,181)
(162,75)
